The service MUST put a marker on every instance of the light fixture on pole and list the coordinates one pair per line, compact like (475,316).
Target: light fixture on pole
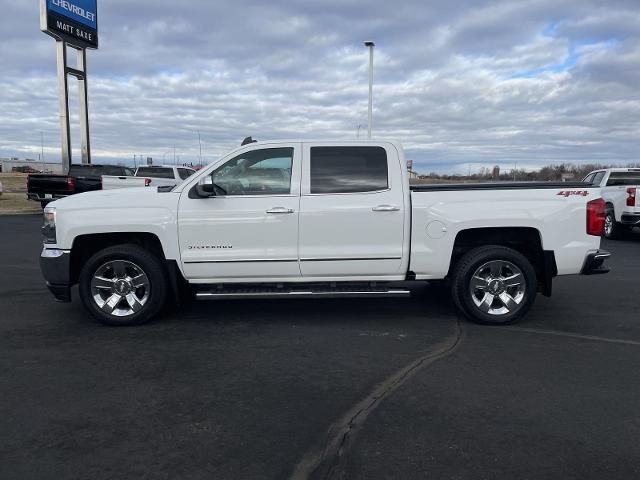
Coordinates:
(370,44)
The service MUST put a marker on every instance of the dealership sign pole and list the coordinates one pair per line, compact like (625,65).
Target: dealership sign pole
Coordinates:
(72,23)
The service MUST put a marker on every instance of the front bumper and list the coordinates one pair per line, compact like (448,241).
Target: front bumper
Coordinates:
(594,263)
(55,265)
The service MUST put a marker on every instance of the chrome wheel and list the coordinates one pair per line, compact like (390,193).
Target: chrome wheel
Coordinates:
(498,287)
(608,224)
(120,288)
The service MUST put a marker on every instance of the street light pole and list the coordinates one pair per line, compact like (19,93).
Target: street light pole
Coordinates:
(370,44)
(42,148)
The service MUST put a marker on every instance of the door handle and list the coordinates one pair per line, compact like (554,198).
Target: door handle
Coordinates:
(385,208)
(280,210)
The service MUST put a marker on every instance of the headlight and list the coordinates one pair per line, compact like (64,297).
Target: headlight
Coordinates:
(49,226)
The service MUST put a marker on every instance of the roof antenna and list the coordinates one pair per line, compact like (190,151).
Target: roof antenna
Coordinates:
(247,141)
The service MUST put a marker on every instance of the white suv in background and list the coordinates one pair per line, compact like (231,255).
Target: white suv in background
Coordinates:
(149,176)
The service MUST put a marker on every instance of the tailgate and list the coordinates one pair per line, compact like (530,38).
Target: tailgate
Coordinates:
(55,184)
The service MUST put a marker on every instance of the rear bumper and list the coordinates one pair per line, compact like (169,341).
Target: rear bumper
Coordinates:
(55,265)
(630,219)
(39,197)
(594,263)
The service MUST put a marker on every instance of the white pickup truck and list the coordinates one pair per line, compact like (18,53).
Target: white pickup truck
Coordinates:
(151,176)
(319,219)
(620,189)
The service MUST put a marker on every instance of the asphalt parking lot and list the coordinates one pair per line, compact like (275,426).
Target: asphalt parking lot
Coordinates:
(352,389)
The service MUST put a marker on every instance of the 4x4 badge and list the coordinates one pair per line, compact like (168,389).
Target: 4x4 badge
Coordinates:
(568,193)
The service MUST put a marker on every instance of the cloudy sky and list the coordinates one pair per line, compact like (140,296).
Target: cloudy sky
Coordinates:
(461,83)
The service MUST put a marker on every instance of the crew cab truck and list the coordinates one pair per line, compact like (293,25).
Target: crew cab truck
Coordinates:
(620,189)
(319,219)
(151,176)
(45,188)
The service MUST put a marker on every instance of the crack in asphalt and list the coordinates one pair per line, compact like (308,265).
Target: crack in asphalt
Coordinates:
(581,336)
(324,461)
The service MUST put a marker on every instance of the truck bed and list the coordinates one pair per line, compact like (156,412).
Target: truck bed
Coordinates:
(110,182)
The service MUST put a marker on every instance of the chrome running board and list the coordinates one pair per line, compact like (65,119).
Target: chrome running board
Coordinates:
(246,293)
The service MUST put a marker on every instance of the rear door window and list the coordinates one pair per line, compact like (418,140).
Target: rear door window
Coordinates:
(156,172)
(623,178)
(88,171)
(348,170)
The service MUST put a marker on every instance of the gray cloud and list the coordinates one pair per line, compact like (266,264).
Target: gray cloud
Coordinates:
(459,82)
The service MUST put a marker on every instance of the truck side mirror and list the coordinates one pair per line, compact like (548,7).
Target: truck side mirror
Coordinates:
(205,188)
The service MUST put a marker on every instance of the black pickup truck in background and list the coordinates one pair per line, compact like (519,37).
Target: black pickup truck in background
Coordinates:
(45,188)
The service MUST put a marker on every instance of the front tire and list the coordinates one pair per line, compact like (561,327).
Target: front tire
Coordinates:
(612,229)
(123,285)
(494,285)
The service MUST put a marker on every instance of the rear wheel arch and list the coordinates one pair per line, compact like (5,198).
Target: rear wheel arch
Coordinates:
(609,207)
(494,285)
(524,240)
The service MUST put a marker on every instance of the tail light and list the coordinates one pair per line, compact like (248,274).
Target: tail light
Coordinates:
(71,184)
(631,199)
(595,217)
(147,182)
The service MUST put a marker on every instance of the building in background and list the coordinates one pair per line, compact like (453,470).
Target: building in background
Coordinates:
(28,165)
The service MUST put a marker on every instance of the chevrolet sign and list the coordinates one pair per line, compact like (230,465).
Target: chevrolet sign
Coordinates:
(75,21)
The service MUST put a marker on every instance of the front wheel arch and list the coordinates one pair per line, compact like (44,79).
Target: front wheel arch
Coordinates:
(117,287)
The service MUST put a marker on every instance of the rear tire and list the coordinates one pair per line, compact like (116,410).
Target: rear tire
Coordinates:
(123,285)
(494,285)
(43,204)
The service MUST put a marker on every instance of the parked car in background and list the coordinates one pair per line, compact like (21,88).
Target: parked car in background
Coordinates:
(45,188)
(620,188)
(149,176)
(25,169)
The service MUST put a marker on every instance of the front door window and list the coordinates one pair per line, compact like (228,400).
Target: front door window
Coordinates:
(258,172)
